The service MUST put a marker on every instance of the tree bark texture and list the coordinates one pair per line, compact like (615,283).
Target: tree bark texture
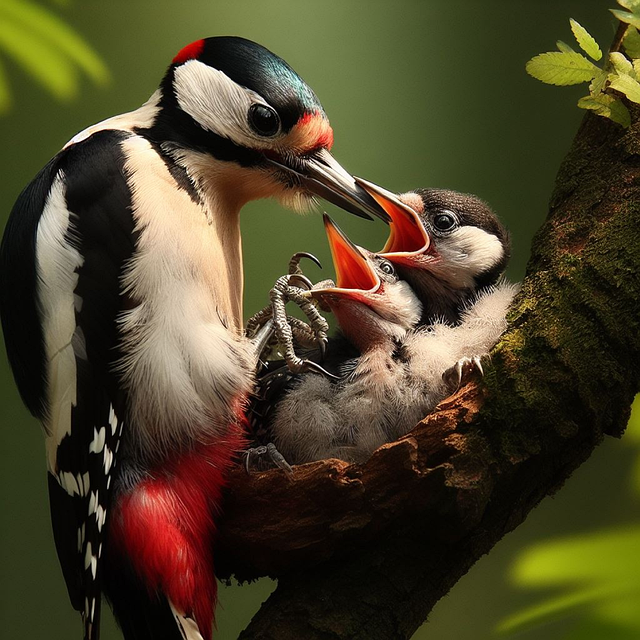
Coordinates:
(365,551)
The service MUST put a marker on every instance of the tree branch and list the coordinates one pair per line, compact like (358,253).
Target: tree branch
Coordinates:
(365,551)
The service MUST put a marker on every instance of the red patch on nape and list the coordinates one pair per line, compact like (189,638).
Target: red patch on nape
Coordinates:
(190,52)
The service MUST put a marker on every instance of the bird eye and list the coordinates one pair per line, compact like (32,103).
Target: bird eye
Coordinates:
(444,221)
(264,120)
(387,267)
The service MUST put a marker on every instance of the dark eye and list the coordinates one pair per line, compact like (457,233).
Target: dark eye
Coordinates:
(264,120)
(444,221)
(387,267)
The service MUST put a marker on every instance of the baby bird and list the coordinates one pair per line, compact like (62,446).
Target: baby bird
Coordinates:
(448,246)
(402,348)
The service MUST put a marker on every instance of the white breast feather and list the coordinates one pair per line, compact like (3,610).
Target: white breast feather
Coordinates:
(184,370)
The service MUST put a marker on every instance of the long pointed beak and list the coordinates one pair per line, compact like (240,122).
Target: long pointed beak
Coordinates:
(407,234)
(322,175)
(355,276)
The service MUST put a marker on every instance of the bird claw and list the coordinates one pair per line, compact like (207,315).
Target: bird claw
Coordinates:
(309,365)
(322,345)
(269,450)
(294,268)
(462,371)
(301,281)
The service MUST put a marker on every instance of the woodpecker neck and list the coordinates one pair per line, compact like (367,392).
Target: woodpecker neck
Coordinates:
(221,195)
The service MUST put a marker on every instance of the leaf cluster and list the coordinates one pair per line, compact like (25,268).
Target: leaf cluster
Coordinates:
(619,73)
(47,48)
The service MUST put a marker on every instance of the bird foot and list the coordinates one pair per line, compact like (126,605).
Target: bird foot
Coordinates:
(463,370)
(286,330)
(269,453)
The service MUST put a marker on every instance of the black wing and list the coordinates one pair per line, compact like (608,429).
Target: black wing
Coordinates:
(96,203)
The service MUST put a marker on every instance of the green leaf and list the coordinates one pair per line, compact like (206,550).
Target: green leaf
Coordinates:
(562,561)
(625,16)
(607,106)
(553,609)
(632,5)
(597,84)
(585,40)
(50,28)
(561,68)
(599,570)
(621,64)
(38,58)
(564,47)
(627,85)
(636,68)
(631,42)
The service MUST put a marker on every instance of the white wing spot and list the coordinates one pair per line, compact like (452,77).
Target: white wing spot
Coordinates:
(101,516)
(85,484)
(87,556)
(113,420)
(108,459)
(97,443)
(93,502)
(68,482)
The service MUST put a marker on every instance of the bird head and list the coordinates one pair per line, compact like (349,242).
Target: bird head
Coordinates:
(446,244)
(370,301)
(241,116)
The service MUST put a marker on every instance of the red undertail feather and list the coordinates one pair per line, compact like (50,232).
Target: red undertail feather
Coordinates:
(165,527)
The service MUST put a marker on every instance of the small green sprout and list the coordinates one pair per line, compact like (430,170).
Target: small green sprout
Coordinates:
(620,72)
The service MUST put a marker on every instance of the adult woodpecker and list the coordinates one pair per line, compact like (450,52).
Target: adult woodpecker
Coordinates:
(407,359)
(121,308)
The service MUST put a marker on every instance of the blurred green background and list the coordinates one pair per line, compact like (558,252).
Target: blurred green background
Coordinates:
(419,94)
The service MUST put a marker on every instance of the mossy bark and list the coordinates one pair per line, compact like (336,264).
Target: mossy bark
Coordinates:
(365,551)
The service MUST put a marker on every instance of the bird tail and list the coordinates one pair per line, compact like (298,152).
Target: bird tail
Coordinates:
(161,538)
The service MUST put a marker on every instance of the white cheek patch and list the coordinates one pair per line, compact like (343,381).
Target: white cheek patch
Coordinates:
(471,250)
(215,102)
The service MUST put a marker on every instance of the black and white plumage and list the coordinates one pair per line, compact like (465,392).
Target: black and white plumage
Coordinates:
(400,371)
(121,304)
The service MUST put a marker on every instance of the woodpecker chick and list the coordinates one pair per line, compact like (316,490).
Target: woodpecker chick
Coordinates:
(120,297)
(447,245)
(403,370)
(321,417)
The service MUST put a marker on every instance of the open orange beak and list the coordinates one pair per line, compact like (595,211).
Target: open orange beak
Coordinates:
(407,236)
(355,277)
